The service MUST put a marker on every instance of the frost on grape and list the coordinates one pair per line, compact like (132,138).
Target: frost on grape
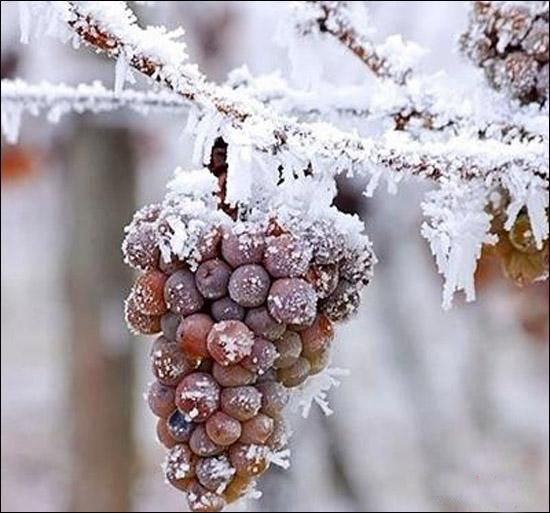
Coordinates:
(315,391)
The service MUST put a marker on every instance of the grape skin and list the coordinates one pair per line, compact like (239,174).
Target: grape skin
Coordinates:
(181,294)
(292,301)
(246,247)
(198,396)
(286,256)
(192,334)
(232,375)
(249,285)
(257,430)
(161,399)
(215,473)
(212,277)
(223,429)
(225,309)
(179,428)
(201,444)
(241,403)
(229,342)
(263,324)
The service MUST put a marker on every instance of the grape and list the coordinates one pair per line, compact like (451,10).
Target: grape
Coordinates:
(173,265)
(323,278)
(202,500)
(140,247)
(236,488)
(232,375)
(286,256)
(179,466)
(148,293)
(223,429)
(249,285)
(179,427)
(209,244)
(246,247)
(181,294)
(225,309)
(257,430)
(319,335)
(215,473)
(229,342)
(212,278)
(169,323)
(198,396)
(249,460)
(164,436)
(269,375)
(260,322)
(262,356)
(242,403)
(274,397)
(289,347)
(137,322)
(168,362)
(319,361)
(192,334)
(281,433)
(342,303)
(161,399)
(292,301)
(201,444)
(296,374)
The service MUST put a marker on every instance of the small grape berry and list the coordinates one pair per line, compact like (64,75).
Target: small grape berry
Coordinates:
(179,427)
(246,247)
(232,375)
(198,396)
(257,430)
(169,323)
(181,294)
(261,358)
(274,397)
(201,444)
(241,403)
(148,293)
(223,429)
(161,399)
(137,322)
(215,473)
(179,466)
(289,347)
(263,324)
(249,460)
(212,277)
(292,301)
(286,256)
(296,374)
(192,334)
(249,285)
(225,309)
(229,342)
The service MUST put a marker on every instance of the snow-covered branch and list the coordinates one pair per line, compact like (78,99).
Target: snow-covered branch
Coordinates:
(392,60)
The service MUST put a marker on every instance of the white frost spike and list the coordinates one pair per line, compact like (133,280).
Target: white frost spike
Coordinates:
(121,72)
(456,229)
(527,190)
(11,122)
(280,458)
(315,390)
(239,172)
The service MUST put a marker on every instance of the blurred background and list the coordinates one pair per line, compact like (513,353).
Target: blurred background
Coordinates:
(441,411)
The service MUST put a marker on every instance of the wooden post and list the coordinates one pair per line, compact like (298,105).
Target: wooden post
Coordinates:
(101,190)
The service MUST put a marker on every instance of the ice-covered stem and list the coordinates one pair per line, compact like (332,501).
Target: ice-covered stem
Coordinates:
(60,98)
(335,18)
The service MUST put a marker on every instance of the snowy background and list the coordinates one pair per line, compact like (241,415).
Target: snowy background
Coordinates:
(443,411)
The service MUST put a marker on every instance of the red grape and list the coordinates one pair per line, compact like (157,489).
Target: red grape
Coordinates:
(179,427)
(169,323)
(263,324)
(280,436)
(148,293)
(179,465)
(202,500)
(137,322)
(140,247)
(249,460)
(232,375)
(289,347)
(198,396)
(323,278)
(161,399)
(201,444)
(241,403)
(319,335)
(164,436)
(225,309)
(223,429)
(296,374)
(262,356)
(191,335)
(168,362)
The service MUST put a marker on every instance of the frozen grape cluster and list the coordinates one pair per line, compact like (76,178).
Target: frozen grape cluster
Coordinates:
(510,42)
(244,311)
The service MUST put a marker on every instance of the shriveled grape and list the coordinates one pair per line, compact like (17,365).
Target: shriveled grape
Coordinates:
(262,356)
(323,278)
(232,375)
(249,285)
(181,294)
(249,460)
(223,429)
(274,397)
(212,277)
(241,403)
(289,348)
(296,374)
(257,430)
(215,473)
(260,321)
(201,444)
(225,309)
(319,335)
(148,293)
(198,396)
(161,399)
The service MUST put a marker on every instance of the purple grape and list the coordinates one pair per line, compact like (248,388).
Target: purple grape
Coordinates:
(249,285)
(225,309)
(343,303)
(169,323)
(181,294)
(263,324)
(214,473)
(286,256)
(262,356)
(292,301)
(140,247)
(137,322)
(246,247)
(168,363)
(161,399)
(212,278)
